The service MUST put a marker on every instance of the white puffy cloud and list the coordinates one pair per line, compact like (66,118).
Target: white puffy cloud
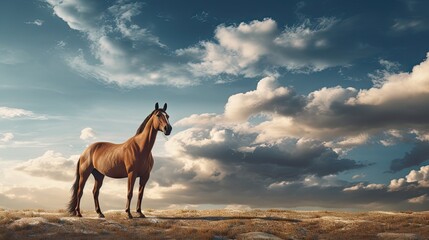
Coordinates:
(397,184)
(6,137)
(421,177)
(6,112)
(409,87)
(414,179)
(51,165)
(87,134)
(261,46)
(268,96)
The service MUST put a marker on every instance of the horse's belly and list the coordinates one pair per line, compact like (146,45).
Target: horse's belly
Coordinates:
(113,170)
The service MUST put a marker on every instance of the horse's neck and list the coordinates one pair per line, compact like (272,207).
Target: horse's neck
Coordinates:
(146,139)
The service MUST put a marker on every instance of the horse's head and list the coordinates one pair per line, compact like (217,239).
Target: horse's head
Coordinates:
(160,119)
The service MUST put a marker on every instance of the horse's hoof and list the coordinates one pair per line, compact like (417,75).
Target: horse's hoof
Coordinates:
(141,215)
(79,215)
(130,216)
(100,215)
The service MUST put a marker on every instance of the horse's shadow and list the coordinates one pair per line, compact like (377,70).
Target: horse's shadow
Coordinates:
(218,218)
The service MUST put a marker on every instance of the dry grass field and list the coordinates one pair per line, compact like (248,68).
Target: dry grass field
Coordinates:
(215,224)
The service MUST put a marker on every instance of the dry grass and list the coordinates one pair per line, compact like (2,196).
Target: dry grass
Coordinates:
(210,224)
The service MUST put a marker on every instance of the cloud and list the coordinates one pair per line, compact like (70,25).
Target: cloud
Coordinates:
(242,187)
(128,54)
(420,200)
(36,22)
(87,134)
(125,53)
(6,137)
(18,113)
(361,186)
(357,176)
(415,179)
(217,152)
(421,177)
(51,165)
(419,154)
(401,25)
(61,44)
(260,46)
(268,97)
(201,17)
(174,182)
(271,142)
(380,75)
(341,117)
(199,119)
(10,56)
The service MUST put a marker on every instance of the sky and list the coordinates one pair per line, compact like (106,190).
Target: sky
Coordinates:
(274,104)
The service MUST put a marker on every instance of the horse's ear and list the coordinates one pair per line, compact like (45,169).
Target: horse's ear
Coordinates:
(165,107)
(156,106)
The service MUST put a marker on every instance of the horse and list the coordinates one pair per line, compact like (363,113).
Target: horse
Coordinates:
(131,159)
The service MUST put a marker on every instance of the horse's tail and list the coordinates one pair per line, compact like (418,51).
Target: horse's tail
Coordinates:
(73,201)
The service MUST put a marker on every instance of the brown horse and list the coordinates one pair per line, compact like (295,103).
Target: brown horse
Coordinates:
(131,159)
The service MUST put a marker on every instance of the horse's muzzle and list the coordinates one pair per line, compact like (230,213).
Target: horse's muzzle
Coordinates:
(167,130)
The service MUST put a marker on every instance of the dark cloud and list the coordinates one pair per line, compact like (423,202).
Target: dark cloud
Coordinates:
(418,155)
(256,190)
(287,159)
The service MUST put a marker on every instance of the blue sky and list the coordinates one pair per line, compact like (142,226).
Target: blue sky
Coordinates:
(297,104)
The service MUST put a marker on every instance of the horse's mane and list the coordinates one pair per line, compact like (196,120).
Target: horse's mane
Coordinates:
(143,125)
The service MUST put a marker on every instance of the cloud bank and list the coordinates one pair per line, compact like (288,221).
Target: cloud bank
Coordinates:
(51,165)
(288,149)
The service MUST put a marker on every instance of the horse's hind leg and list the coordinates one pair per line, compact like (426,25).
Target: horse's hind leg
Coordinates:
(84,171)
(98,177)
(143,181)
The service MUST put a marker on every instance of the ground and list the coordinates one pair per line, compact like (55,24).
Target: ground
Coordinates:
(215,224)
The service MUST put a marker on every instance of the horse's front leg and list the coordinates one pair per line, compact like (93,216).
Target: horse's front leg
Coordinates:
(143,181)
(131,179)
